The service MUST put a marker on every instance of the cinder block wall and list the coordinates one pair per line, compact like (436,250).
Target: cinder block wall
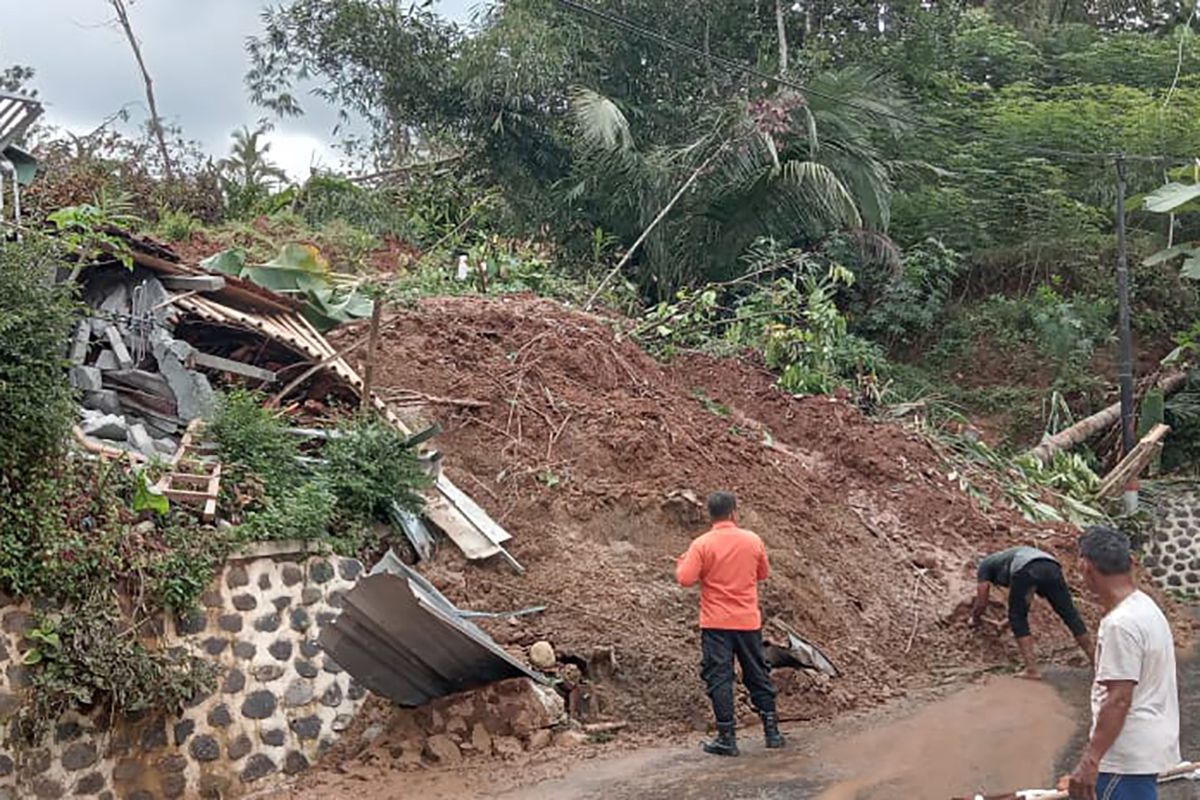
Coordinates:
(279,702)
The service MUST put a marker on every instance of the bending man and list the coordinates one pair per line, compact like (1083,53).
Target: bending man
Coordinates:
(728,563)
(1025,571)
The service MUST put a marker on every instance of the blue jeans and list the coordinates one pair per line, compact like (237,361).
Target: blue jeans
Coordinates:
(1126,787)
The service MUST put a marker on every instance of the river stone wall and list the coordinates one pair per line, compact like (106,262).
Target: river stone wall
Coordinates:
(1173,553)
(279,703)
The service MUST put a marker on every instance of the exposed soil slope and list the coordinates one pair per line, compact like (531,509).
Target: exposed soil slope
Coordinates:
(588,451)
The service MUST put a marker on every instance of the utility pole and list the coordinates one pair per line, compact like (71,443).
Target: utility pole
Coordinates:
(1124,335)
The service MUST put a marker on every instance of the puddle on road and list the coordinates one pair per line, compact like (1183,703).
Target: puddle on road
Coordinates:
(1002,735)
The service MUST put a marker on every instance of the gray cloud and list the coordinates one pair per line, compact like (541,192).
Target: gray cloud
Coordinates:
(195,52)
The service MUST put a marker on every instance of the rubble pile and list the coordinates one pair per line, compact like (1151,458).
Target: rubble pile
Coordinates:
(138,390)
(597,458)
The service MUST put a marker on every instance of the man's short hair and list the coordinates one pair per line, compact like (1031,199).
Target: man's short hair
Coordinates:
(721,505)
(1107,549)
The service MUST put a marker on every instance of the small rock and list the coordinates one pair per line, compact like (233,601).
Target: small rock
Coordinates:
(183,730)
(307,728)
(268,672)
(280,650)
(244,650)
(245,602)
(237,577)
(239,748)
(292,575)
(294,762)
(230,623)
(109,426)
(306,669)
(570,739)
(274,737)
(541,655)
(204,748)
(80,755)
(341,723)
(219,717)
(443,750)
(540,740)
(481,740)
(507,746)
(142,441)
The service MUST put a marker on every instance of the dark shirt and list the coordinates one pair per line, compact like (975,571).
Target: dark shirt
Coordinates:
(998,568)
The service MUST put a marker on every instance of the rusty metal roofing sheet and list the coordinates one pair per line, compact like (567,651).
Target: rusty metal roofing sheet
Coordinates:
(403,639)
(17,113)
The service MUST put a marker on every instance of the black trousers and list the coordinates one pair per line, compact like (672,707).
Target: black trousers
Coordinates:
(1046,579)
(719,648)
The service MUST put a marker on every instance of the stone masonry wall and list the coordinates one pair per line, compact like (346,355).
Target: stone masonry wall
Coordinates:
(1173,553)
(279,702)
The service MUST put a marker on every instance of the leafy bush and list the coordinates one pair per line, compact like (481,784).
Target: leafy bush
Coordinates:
(175,225)
(369,467)
(253,442)
(91,656)
(910,305)
(302,513)
(36,317)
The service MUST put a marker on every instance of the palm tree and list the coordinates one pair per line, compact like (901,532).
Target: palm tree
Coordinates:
(790,167)
(247,176)
(247,164)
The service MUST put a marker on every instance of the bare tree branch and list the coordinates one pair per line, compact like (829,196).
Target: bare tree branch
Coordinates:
(156,125)
(781,28)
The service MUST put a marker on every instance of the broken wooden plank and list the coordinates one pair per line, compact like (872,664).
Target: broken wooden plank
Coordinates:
(1134,462)
(124,360)
(209,513)
(229,365)
(193,283)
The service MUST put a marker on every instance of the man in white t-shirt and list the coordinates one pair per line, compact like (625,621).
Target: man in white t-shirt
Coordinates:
(1135,704)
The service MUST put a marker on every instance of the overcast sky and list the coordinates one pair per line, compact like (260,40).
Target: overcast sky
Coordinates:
(195,52)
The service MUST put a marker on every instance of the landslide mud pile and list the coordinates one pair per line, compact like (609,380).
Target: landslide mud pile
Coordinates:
(593,454)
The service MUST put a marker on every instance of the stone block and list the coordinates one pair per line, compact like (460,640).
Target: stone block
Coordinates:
(239,748)
(204,748)
(245,602)
(306,669)
(219,717)
(294,763)
(230,623)
(280,650)
(244,650)
(106,401)
(320,571)
(310,595)
(235,681)
(481,740)
(332,696)
(87,379)
(350,569)
(299,693)
(109,426)
(79,756)
(307,728)
(258,767)
(267,623)
(166,446)
(91,783)
(259,705)
(107,360)
(193,393)
(291,575)
(299,620)
(274,737)
(183,730)
(268,672)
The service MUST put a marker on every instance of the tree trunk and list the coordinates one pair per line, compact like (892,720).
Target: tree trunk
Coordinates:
(781,30)
(1088,427)
(156,126)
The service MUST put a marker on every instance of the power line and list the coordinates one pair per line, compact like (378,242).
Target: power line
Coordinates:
(738,66)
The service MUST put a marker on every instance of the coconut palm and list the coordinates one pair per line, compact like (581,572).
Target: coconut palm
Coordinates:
(792,167)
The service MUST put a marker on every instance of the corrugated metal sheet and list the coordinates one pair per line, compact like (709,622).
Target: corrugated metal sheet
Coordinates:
(17,113)
(403,639)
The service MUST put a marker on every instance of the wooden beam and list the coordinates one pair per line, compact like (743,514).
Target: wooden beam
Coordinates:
(1132,465)
(229,365)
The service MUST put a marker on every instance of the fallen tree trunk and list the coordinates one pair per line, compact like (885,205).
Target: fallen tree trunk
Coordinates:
(1088,427)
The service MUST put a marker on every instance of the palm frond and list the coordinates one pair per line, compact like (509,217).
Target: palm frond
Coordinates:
(600,123)
(822,186)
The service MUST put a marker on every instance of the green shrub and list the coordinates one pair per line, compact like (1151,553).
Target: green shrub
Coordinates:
(300,513)
(253,442)
(36,318)
(176,226)
(369,467)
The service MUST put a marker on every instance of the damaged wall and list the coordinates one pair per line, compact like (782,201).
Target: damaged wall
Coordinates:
(278,704)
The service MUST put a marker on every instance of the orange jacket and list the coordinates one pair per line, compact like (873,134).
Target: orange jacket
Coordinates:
(728,562)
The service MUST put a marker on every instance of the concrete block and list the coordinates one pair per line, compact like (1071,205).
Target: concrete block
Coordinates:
(107,360)
(193,393)
(109,426)
(166,446)
(87,379)
(99,327)
(117,300)
(141,440)
(105,400)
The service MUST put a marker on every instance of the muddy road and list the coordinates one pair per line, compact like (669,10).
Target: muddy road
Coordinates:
(998,734)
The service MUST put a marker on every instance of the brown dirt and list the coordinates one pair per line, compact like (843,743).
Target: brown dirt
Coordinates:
(582,452)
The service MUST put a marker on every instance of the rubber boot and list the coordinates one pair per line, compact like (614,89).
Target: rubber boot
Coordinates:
(726,742)
(774,739)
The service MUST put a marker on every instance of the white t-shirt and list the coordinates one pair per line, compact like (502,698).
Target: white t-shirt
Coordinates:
(1135,644)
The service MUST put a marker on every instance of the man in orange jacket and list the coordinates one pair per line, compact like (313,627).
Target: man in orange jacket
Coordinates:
(728,563)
